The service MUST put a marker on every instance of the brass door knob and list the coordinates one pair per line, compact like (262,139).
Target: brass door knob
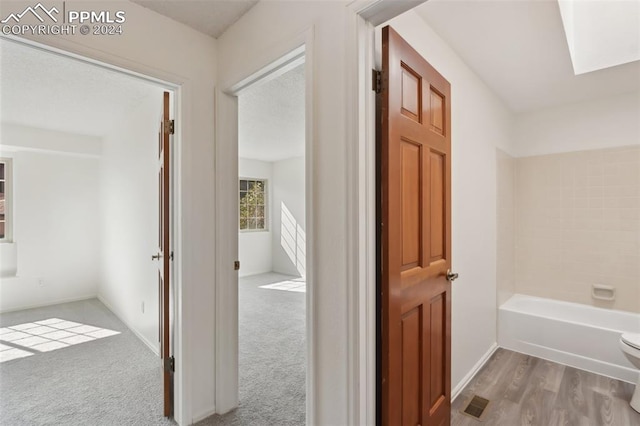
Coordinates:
(451,276)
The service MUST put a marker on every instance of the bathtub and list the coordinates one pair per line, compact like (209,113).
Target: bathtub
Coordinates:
(578,335)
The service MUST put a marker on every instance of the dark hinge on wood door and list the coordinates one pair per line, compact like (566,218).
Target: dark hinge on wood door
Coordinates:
(169,126)
(376,81)
(170,364)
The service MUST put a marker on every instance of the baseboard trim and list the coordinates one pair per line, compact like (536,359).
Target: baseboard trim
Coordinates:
(203,415)
(51,303)
(472,373)
(602,368)
(133,330)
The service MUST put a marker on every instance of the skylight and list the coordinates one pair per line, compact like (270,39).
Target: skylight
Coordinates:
(601,33)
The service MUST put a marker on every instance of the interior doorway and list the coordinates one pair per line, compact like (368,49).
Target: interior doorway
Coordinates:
(271,229)
(272,247)
(78,286)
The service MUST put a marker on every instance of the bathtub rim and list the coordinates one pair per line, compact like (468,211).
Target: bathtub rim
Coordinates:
(518,296)
(508,340)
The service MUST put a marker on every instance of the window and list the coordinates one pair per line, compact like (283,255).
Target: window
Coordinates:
(253,201)
(5,199)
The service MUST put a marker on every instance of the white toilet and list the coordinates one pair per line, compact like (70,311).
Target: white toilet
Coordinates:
(630,345)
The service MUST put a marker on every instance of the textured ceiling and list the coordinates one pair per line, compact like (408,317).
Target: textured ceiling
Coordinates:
(519,49)
(211,17)
(271,118)
(45,90)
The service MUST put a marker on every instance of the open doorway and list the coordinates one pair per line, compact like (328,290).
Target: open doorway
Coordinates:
(272,249)
(79,297)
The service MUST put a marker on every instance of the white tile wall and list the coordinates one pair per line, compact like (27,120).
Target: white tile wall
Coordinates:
(506,213)
(577,223)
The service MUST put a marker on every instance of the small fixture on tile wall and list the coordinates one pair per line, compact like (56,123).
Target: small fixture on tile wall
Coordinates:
(603,292)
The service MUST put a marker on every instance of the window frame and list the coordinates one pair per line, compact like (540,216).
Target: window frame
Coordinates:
(265,186)
(8,200)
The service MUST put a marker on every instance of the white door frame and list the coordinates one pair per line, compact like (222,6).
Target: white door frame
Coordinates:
(365,15)
(176,85)
(275,62)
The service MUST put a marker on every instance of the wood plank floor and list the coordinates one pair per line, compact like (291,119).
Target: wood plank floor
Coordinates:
(526,390)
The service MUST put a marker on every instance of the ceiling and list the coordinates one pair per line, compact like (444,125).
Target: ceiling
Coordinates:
(45,90)
(518,48)
(209,17)
(271,125)
(520,51)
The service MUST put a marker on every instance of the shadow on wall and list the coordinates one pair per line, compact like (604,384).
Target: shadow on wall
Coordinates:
(293,239)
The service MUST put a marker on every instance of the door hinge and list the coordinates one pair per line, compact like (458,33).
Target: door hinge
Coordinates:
(236,265)
(170,364)
(171,256)
(376,81)
(169,126)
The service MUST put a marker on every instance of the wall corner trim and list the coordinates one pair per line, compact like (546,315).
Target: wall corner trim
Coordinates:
(203,414)
(133,330)
(455,392)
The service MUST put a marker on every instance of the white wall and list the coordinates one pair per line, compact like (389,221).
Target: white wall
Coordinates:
(22,138)
(255,246)
(277,250)
(261,35)
(154,45)
(289,221)
(56,218)
(129,220)
(480,124)
(602,123)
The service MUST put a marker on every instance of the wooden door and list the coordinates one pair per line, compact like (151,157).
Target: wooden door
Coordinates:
(415,179)
(165,255)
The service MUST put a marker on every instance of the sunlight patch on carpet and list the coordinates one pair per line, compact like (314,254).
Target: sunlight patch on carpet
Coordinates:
(296,286)
(23,340)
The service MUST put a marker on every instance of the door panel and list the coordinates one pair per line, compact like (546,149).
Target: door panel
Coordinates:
(411,94)
(411,204)
(415,179)
(437,205)
(412,332)
(437,367)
